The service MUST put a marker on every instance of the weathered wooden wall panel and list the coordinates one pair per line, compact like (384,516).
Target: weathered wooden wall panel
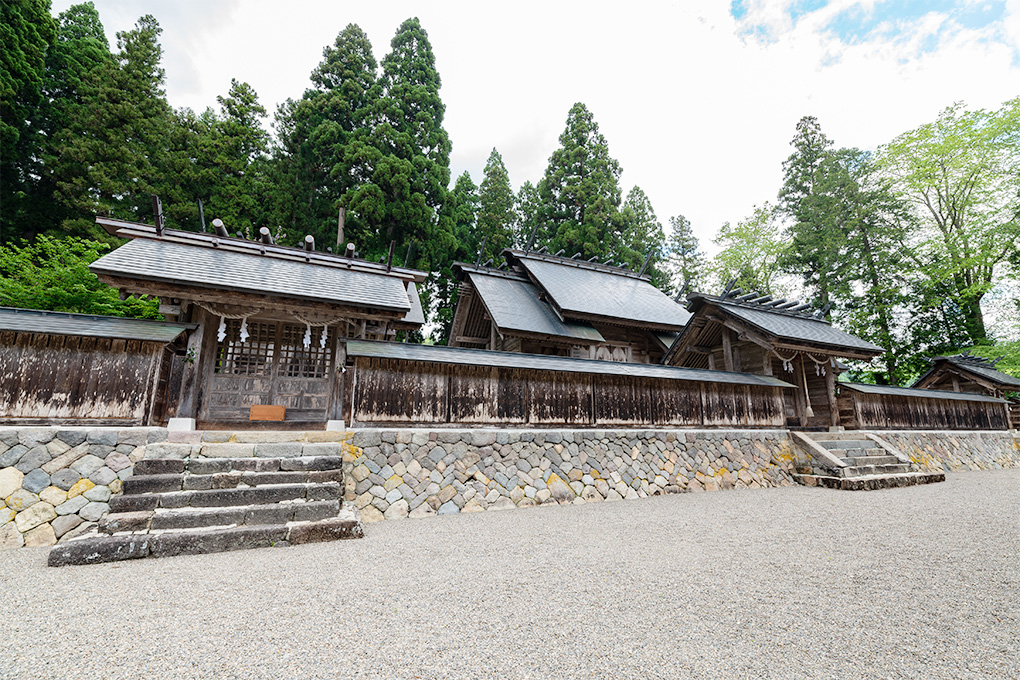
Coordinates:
(474,394)
(71,378)
(559,398)
(623,400)
(883,411)
(676,402)
(387,391)
(513,396)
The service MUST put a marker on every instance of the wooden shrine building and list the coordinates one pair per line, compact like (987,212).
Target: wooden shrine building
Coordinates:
(559,306)
(967,373)
(265,321)
(753,333)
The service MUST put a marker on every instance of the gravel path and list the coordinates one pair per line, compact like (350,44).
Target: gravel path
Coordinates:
(920,582)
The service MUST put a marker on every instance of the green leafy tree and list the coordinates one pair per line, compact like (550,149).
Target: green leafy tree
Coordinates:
(580,191)
(962,174)
(26,32)
(751,252)
(685,260)
(53,274)
(496,209)
(463,205)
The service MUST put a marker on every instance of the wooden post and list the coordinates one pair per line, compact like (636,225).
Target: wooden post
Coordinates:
(956,383)
(798,375)
(336,405)
(727,350)
(188,405)
(766,362)
(830,389)
(711,361)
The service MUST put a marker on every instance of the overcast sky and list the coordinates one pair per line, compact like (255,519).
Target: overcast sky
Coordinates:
(698,99)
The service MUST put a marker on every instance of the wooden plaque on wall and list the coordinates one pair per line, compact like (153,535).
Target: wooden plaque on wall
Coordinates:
(267,412)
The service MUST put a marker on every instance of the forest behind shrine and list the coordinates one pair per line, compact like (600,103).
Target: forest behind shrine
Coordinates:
(901,246)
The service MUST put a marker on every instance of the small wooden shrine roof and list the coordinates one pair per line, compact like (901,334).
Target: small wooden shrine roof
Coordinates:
(479,357)
(918,393)
(969,364)
(514,305)
(196,260)
(779,321)
(590,291)
(90,325)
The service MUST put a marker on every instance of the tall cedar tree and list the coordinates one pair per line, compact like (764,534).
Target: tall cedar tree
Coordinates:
(318,140)
(528,224)
(496,211)
(404,164)
(642,238)
(122,137)
(962,174)
(814,241)
(686,261)
(463,206)
(26,32)
(75,65)
(580,191)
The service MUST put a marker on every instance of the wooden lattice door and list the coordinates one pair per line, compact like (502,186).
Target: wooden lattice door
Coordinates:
(272,366)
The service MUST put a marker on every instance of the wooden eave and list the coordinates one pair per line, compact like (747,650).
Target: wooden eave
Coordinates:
(135,286)
(936,373)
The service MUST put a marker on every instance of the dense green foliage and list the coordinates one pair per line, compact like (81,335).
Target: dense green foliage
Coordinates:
(54,274)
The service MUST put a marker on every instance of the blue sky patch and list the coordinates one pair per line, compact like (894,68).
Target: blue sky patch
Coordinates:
(888,17)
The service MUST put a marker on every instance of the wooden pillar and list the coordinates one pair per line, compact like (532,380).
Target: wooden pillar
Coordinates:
(802,397)
(727,350)
(830,391)
(711,361)
(956,383)
(187,407)
(766,362)
(336,403)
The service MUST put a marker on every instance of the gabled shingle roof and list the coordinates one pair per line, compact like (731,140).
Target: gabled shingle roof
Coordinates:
(91,325)
(795,327)
(983,368)
(581,290)
(208,267)
(917,393)
(514,305)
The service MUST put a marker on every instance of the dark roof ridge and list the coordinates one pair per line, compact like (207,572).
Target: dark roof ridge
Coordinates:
(490,271)
(97,317)
(240,245)
(765,305)
(580,264)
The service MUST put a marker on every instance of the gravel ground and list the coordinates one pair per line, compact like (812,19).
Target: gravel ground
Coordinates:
(920,582)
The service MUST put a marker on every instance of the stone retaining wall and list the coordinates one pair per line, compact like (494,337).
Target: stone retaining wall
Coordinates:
(954,451)
(55,482)
(402,472)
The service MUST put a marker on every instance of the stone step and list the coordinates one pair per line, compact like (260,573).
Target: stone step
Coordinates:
(873,482)
(871,460)
(142,484)
(208,466)
(837,444)
(870,470)
(190,518)
(856,453)
(236,449)
(210,498)
(96,549)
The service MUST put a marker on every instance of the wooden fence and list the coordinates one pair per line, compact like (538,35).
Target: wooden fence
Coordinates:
(899,408)
(414,392)
(72,379)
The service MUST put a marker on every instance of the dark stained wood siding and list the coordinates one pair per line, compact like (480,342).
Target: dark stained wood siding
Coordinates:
(412,392)
(75,378)
(884,411)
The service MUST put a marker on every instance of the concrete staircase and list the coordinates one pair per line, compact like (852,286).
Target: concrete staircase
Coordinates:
(855,461)
(184,506)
